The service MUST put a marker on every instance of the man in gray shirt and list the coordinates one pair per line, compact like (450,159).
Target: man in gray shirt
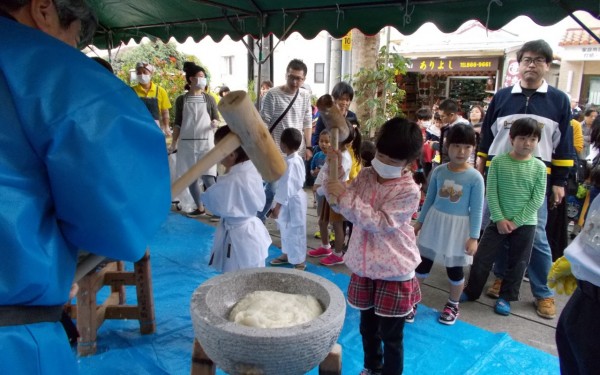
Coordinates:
(299,116)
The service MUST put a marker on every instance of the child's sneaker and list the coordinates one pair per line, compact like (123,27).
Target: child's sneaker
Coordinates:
(545,307)
(320,252)
(449,314)
(464,297)
(502,307)
(410,318)
(332,260)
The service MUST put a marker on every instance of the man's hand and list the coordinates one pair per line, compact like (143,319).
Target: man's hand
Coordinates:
(560,277)
(558,194)
(481,164)
(471,246)
(308,154)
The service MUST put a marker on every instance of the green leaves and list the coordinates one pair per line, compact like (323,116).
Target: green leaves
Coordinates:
(379,87)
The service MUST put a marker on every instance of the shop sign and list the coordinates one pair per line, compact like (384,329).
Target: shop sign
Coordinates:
(512,74)
(455,64)
(583,53)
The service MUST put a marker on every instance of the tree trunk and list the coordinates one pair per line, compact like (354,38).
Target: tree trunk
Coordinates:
(365,50)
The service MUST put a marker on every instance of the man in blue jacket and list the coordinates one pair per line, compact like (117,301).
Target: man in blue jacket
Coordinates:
(82,166)
(533,97)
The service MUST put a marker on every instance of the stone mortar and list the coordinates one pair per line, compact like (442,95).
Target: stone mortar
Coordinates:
(238,349)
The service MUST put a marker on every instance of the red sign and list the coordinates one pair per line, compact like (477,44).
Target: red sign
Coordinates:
(512,73)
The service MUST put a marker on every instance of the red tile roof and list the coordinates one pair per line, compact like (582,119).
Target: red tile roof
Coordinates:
(578,37)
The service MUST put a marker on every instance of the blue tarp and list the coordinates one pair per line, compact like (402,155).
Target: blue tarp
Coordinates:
(179,256)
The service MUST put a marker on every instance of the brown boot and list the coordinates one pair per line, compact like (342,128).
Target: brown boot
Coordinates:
(494,290)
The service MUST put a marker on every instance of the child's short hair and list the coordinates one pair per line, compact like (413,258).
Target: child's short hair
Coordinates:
(462,134)
(400,139)
(323,132)
(424,113)
(367,152)
(291,138)
(526,127)
(220,134)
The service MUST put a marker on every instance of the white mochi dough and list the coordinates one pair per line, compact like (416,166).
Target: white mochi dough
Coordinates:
(269,309)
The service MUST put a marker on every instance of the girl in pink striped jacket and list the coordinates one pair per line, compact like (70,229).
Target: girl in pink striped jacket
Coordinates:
(382,253)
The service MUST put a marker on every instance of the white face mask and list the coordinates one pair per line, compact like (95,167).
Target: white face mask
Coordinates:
(385,170)
(144,79)
(199,82)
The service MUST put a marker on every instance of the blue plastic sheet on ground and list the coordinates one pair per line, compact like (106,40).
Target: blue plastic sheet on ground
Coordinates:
(179,256)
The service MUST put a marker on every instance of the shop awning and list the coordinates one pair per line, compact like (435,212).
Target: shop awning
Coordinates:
(122,20)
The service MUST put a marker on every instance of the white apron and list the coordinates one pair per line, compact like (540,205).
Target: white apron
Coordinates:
(196,136)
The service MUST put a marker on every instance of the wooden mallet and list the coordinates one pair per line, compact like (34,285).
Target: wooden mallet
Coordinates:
(247,130)
(338,128)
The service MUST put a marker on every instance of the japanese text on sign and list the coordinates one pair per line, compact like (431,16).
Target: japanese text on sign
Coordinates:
(453,64)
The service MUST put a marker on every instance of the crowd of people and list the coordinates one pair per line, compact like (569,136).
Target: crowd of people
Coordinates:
(473,192)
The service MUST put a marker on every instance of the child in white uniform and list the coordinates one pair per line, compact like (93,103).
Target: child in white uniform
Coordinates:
(242,240)
(290,203)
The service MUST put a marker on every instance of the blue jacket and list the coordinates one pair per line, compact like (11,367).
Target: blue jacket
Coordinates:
(82,166)
(551,108)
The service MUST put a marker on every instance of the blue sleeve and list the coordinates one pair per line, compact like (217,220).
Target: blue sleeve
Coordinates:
(476,205)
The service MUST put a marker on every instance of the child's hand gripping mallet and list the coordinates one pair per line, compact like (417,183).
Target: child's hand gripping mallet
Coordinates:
(338,129)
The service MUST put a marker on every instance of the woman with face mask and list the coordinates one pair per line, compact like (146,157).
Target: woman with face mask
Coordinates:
(196,117)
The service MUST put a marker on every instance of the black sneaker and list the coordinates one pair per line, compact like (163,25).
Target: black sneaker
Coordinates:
(215,218)
(449,314)
(196,213)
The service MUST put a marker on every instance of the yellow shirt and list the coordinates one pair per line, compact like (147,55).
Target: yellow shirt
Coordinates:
(355,168)
(163,98)
(577,135)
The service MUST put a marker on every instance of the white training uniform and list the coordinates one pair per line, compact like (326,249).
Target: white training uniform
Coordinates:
(196,136)
(242,240)
(292,216)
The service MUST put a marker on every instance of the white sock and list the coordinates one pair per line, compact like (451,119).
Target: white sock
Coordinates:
(328,246)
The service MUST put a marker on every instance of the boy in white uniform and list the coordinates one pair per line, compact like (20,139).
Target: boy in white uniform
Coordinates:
(242,240)
(290,203)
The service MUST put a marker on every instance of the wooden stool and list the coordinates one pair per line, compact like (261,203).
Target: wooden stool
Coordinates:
(202,365)
(90,315)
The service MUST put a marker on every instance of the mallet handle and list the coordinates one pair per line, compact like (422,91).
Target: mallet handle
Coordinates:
(334,161)
(225,147)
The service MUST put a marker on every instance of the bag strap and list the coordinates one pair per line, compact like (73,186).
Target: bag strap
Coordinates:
(284,113)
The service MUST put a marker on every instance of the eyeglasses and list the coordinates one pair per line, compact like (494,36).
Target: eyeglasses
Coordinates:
(537,61)
(292,77)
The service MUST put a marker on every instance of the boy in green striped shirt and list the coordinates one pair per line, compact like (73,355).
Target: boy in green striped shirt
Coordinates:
(516,185)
